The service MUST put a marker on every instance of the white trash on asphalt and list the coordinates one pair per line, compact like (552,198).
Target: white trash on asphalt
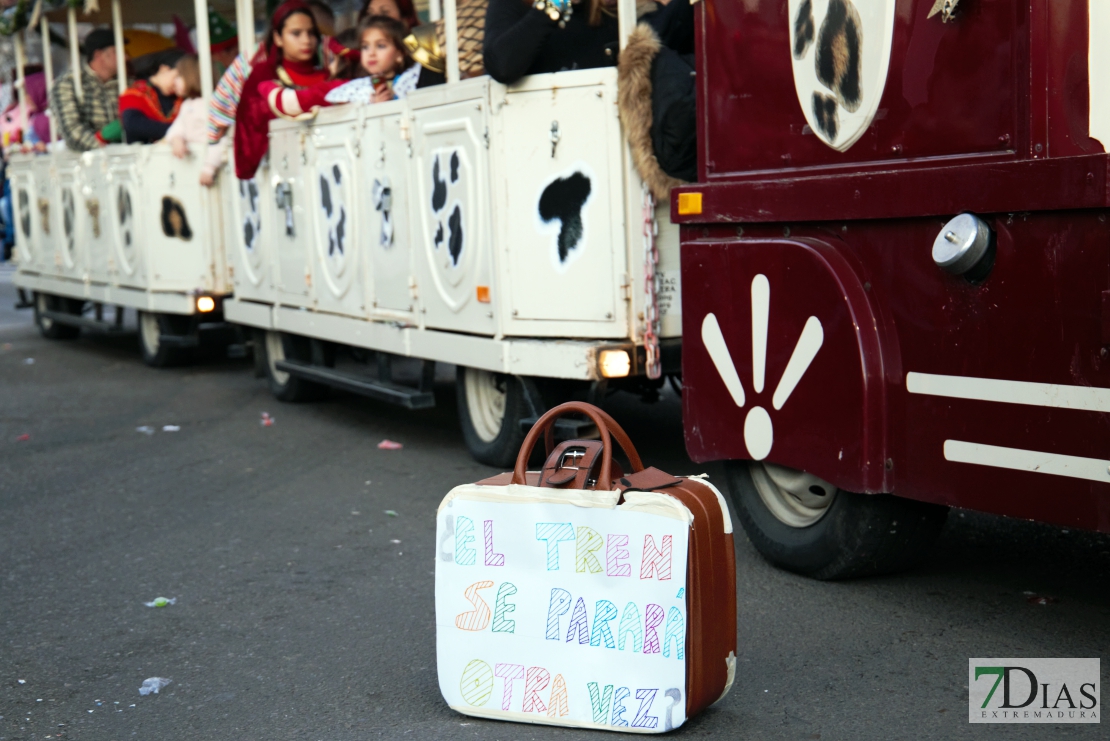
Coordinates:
(145,429)
(171,428)
(153,684)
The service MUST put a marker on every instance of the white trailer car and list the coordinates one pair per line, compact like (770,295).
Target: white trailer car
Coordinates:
(500,229)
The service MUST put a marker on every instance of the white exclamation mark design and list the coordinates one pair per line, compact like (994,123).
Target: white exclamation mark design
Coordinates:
(714,343)
(758,430)
(761,302)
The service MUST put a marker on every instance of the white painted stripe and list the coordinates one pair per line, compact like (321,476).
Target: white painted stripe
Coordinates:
(761,303)
(718,351)
(804,352)
(1033,461)
(1085,398)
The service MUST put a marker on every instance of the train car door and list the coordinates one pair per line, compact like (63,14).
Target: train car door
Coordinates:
(27,228)
(124,186)
(290,224)
(248,204)
(71,247)
(338,208)
(389,233)
(178,225)
(560,204)
(451,207)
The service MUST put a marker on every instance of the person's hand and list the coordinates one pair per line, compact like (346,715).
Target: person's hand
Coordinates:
(384,95)
(180,148)
(207,177)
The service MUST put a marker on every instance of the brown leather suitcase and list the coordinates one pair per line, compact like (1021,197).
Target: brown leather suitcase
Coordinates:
(516,638)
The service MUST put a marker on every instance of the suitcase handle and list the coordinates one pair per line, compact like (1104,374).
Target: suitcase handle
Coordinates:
(606,425)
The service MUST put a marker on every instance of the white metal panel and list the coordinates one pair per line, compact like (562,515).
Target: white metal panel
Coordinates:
(71,224)
(337,206)
(96,213)
(289,227)
(248,204)
(29,251)
(128,220)
(178,226)
(560,206)
(451,208)
(389,236)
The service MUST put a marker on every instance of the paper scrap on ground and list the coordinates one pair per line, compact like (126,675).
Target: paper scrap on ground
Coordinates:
(389,445)
(391,513)
(23,438)
(145,429)
(29,361)
(267,420)
(161,602)
(153,684)
(171,428)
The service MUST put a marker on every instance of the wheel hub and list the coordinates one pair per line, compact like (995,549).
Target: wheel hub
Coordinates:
(150,332)
(795,498)
(485,398)
(275,351)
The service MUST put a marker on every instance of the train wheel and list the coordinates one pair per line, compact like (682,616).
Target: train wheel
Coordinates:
(286,387)
(156,353)
(49,328)
(491,406)
(803,524)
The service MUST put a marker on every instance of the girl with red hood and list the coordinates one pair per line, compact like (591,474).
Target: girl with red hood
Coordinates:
(286,82)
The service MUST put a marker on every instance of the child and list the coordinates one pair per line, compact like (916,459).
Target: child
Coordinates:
(190,126)
(385,59)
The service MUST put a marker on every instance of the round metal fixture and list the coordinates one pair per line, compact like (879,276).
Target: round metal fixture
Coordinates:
(964,247)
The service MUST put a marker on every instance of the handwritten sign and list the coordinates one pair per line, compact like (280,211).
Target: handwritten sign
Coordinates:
(555,612)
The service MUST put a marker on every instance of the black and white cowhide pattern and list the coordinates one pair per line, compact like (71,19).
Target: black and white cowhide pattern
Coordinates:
(174,221)
(383,204)
(446,184)
(252,220)
(563,202)
(69,219)
(126,216)
(333,203)
(24,206)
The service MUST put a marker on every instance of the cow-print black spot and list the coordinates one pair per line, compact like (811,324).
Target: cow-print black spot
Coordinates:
(325,195)
(248,233)
(455,243)
(174,222)
(824,112)
(439,236)
(439,188)
(338,175)
(839,48)
(124,205)
(25,213)
(563,199)
(454,167)
(803,29)
(340,232)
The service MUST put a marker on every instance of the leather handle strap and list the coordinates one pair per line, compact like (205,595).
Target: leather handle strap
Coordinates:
(615,430)
(604,423)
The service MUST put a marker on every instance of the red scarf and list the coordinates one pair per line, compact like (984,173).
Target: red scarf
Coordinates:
(252,119)
(142,97)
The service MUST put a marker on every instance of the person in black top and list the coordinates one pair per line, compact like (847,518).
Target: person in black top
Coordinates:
(522,40)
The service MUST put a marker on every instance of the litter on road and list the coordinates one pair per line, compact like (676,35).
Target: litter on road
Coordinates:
(145,429)
(267,420)
(29,361)
(391,513)
(23,438)
(171,428)
(153,684)
(161,602)
(389,445)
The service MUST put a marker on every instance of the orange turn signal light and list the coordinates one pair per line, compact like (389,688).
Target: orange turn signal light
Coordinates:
(689,204)
(483,294)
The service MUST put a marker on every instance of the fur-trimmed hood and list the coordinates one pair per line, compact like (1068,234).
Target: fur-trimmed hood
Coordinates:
(634,101)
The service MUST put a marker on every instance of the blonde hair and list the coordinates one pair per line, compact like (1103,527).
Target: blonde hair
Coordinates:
(189,69)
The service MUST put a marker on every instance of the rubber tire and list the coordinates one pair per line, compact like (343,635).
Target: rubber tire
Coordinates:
(291,388)
(158,355)
(49,328)
(859,535)
(500,452)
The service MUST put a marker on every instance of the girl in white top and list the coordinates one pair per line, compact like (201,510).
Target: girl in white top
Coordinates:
(390,72)
(191,125)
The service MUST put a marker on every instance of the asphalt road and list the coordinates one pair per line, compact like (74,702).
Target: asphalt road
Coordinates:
(304,611)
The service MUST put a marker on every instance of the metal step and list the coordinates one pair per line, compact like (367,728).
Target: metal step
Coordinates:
(405,396)
(77,320)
